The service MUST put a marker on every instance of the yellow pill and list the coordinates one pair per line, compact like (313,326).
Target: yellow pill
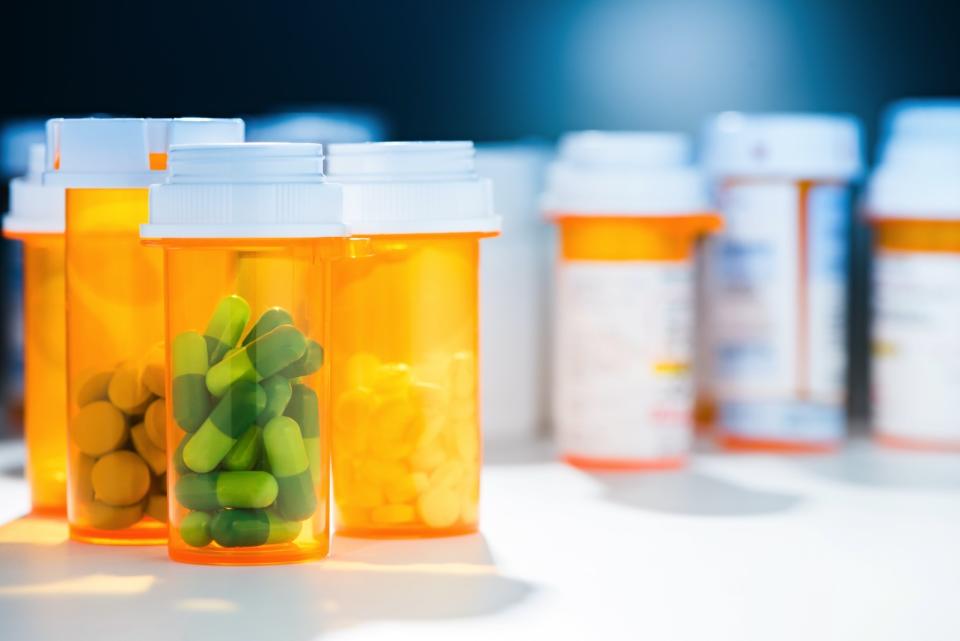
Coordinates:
(157,507)
(390,449)
(392,514)
(154,370)
(468,511)
(463,375)
(439,507)
(108,517)
(392,379)
(429,399)
(421,480)
(362,494)
(447,475)
(153,455)
(393,417)
(355,407)
(81,485)
(361,369)
(428,458)
(155,420)
(93,388)
(432,428)
(127,391)
(120,478)
(467,439)
(378,471)
(98,428)
(464,409)
(352,516)
(402,489)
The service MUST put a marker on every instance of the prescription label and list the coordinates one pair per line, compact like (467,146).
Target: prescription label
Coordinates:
(775,282)
(623,350)
(916,346)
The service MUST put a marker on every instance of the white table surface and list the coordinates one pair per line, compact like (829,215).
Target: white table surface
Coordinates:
(860,545)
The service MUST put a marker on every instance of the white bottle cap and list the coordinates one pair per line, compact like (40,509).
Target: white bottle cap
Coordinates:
(411,188)
(919,173)
(783,145)
(245,190)
(624,173)
(35,208)
(116,152)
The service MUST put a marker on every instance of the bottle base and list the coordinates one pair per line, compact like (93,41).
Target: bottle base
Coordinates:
(277,555)
(146,533)
(411,532)
(776,446)
(625,465)
(49,511)
(916,444)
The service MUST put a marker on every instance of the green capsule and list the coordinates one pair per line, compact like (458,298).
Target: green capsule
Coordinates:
(226,489)
(270,319)
(279,391)
(260,359)
(195,529)
(310,362)
(246,451)
(247,528)
(289,464)
(178,463)
(226,326)
(304,408)
(191,401)
(236,411)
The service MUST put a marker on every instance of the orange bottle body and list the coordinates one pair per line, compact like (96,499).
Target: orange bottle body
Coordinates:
(406,428)
(114,300)
(248,487)
(623,393)
(45,380)
(915,350)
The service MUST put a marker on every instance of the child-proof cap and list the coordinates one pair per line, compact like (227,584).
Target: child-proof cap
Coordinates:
(783,145)
(624,173)
(411,188)
(245,190)
(35,208)
(917,177)
(124,152)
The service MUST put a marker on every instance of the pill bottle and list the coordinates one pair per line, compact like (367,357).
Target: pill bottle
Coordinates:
(913,205)
(36,219)
(629,207)
(406,425)
(116,483)
(248,232)
(776,279)
(514,291)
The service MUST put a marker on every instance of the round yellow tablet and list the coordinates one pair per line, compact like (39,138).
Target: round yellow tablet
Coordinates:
(93,388)
(108,517)
(120,478)
(98,428)
(127,390)
(439,507)
(157,507)
(155,420)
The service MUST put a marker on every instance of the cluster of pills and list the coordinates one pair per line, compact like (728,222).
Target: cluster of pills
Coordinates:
(248,459)
(119,438)
(406,445)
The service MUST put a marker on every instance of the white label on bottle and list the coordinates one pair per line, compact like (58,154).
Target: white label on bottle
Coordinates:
(623,350)
(777,303)
(916,346)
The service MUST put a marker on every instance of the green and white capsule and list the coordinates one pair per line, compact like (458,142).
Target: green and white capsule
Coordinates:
(226,326)
(311,361)
(270,319)
(304,408)
(260,359)
(287,456)
(247,528)
(191,401)
(236,411)
(206,492)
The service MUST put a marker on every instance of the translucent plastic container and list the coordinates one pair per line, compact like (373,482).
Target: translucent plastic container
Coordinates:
(776,280)
(115,357)
(248,233)
(406,428)
(36,218)
(913,204)
(629,208)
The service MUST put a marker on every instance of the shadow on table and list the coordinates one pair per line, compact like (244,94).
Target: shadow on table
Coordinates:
(691,493)
(51,588)
(864,463)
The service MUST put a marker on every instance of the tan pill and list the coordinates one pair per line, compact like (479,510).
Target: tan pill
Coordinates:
(157,507)
(93,388)
(107,517)
(127,390)
(98,428)
(81,485)
(153,455)
(120,478)
(155,420)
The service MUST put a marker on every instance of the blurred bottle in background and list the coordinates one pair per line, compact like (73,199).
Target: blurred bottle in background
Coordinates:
(514,294)
(320,124)
(913,203)
(776,279)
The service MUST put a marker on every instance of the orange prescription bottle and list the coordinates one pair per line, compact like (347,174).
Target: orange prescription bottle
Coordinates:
(776,279)
(36,219)
(116,483)
(248,233)
(629,207)
(913,203)
(406,427)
